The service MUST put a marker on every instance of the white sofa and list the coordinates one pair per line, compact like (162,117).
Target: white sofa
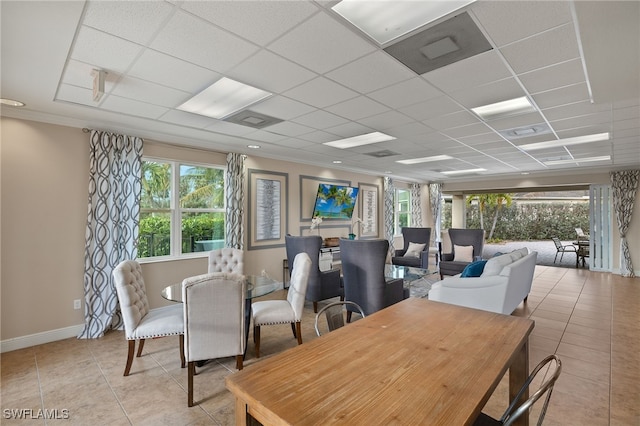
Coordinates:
(505,282)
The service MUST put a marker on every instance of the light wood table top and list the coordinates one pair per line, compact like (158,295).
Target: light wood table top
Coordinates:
(415,362)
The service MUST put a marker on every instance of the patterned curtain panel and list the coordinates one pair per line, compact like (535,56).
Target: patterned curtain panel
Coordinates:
(235,195)
(388,212)
(435,197)
(115,167)
(416,205)
(624,184)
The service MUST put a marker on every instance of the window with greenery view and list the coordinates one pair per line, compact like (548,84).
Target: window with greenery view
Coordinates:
(181,209)
(403,210)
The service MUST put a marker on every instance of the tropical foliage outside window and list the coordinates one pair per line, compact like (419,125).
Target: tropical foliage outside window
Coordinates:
(402,210)
(181,209)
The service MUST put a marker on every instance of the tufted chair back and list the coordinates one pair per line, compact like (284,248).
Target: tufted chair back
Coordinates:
(132,295)
(299,282)
(226,260)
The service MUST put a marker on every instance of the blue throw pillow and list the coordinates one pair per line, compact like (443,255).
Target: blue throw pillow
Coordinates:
(473,269)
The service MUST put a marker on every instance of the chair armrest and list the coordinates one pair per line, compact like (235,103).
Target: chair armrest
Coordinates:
(394,292)
(424,259)
(446,257)
(399,253)
(472,282)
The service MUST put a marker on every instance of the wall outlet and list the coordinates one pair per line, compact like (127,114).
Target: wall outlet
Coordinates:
(76,304)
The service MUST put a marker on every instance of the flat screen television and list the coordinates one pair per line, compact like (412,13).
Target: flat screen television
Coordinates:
(335,201)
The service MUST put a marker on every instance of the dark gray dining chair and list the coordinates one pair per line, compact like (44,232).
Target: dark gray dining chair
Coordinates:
(334,313)
(363,276)
(449,263)
(322,284)
(415,236)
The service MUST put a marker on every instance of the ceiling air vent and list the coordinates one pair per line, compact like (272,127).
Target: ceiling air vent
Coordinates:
(382,154)
(450,41)
(252,119)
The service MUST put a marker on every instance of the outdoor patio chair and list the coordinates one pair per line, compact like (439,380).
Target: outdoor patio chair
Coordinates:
(560,248)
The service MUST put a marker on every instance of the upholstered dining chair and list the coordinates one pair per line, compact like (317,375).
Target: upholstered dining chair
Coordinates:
(415,252)
(363,276)
(230,260)
(214,320)
(270,312)
(139,322)
(515,411)
(466,246)
(322,284)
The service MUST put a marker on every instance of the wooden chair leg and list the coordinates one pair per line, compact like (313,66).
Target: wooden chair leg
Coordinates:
(131,351)
(293,330)
(182,360)
(299,332)
(349,316)
(191,370)
(239,360)
(256,339)
(139,354)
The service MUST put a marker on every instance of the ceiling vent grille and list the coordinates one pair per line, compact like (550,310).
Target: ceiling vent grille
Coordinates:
(382,154)
(252,119)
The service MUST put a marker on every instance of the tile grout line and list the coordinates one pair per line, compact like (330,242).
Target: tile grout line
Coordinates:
(113,391)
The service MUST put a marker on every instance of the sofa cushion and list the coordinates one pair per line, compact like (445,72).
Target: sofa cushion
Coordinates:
(495,265)
(463,253)
(414,250)
(473,269)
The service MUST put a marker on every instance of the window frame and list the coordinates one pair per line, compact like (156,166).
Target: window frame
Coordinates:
(176,212)
(397,230)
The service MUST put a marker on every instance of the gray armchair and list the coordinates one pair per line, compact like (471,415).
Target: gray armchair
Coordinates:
(322,284)
(449,265)
(416,236)
(363,275)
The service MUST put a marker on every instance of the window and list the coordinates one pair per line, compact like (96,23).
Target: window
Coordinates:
(402,212)
(181,209)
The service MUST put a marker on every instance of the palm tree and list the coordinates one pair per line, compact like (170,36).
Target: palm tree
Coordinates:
(495,201)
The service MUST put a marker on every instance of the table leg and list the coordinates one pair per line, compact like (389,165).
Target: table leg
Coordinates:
(518,373)
(241,413)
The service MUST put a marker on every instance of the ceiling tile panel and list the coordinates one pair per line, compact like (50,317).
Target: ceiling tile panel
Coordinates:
(289,128)
(104,51)
(430,109)
(276,73)
(282,107)
(321,44)
(506,22)
(133,88)
(406,93)
(371,72)
(385,120)
(197,41)
(320,92)
(137,21)
(534,53)
(553,77)
(258,21)
(575,110)
(562,96)
(230,128)
(456,119)
(187,119)
(132,107)
(474,71)
(497,91)
(358,108)
(320,119)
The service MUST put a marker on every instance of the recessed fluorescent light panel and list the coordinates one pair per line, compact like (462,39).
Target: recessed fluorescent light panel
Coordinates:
(504,108)
(359,140)
(384,21)
(425,159)
(462,172)
(578,140)
(578,160)
(223,98)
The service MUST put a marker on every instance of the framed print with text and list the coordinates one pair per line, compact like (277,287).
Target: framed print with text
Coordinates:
(368,210)
(268,206)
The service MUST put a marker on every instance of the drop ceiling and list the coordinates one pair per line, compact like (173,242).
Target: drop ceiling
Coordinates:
(578,62)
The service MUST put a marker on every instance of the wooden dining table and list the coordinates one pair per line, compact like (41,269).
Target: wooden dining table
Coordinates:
(417,362)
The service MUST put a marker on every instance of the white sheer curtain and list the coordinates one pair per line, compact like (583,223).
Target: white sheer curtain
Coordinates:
(416,205)
(234,215)
(624,185)
(115,167)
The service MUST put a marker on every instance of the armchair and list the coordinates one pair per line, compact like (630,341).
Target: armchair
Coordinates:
(452,264)
(363,275)
(415,236)
(322,284)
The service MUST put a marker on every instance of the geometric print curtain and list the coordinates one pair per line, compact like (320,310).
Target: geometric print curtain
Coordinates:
(435,196)
(115,166)
(416,205)
(234,214)
(624,184)
(389,193)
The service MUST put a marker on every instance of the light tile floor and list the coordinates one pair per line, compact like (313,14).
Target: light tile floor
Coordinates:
(591,320)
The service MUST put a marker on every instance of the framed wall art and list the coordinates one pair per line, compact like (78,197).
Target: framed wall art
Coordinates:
(369,205)
(267,209)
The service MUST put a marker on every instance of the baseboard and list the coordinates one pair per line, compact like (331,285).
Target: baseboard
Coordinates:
(47,336)
(40,338)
